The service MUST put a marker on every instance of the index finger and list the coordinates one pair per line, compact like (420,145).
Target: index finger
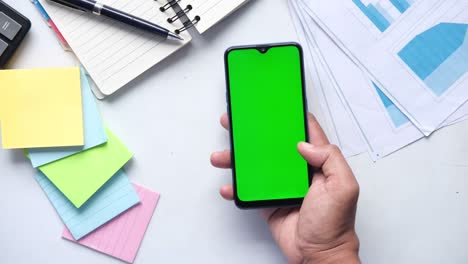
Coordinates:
(316,135)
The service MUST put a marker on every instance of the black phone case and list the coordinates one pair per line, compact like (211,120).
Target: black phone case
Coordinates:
(270,203)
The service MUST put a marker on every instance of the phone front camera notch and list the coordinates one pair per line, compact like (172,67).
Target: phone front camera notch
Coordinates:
(263,50)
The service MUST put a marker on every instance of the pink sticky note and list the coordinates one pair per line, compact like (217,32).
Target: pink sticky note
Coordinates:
(121,237)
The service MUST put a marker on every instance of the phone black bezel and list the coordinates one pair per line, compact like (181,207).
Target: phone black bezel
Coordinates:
(263,48)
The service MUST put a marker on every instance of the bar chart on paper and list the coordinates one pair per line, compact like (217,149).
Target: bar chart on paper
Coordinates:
(438,56)
(398,118)
(383,13)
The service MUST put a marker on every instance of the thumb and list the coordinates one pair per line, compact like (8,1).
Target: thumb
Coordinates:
(328,158)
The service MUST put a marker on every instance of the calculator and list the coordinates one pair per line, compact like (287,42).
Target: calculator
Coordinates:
(13,29)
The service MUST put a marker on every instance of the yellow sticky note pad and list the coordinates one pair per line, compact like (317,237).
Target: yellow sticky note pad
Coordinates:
(79,176)
(41,108)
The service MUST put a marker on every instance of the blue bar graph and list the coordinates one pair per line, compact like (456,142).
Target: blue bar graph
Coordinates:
(397,117)
(438,56)
(401,5)
(374,15)
(382,13)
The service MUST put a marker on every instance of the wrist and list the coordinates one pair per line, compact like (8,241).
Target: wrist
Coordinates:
(346,252)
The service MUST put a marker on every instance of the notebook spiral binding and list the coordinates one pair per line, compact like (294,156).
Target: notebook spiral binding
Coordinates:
(187,24)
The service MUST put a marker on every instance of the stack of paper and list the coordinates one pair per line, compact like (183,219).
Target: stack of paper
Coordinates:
(397,67)
(52,114)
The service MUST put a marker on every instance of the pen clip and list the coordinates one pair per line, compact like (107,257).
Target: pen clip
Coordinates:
(65,3)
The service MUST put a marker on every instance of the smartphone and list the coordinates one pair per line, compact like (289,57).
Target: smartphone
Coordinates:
(267,110)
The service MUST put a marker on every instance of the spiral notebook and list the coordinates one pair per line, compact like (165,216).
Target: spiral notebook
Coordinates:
(114,53)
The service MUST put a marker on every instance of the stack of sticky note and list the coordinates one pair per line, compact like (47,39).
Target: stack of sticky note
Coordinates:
(51,113)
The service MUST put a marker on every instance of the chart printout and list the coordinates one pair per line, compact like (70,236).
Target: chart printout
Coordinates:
(415,51)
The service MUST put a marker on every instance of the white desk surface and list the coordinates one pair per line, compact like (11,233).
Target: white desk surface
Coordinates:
(413,206)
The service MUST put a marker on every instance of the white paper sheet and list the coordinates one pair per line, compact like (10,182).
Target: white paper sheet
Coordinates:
(416,51)
(384,127)
(340,126)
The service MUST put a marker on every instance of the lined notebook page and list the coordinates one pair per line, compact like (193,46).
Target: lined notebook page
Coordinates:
(114,53)
(210,11)
(114,198)
(121,237)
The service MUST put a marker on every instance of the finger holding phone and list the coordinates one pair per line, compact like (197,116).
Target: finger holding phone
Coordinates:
(313,225)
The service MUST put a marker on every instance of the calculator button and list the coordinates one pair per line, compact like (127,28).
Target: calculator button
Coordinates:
(3,47)
(8,27)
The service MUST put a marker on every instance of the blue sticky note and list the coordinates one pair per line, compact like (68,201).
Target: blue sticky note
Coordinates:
(94,132)
(114,198)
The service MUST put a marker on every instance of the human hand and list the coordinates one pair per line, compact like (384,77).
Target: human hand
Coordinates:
(322,230)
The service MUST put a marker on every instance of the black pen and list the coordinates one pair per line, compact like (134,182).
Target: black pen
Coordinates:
(100,9)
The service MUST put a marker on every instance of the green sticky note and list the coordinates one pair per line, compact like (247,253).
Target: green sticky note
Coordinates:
(79,176)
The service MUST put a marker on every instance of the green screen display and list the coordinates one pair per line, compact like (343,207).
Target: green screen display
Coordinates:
(267,122)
